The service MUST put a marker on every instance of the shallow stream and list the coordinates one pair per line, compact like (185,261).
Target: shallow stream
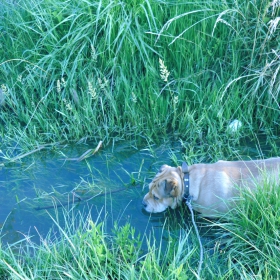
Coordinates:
(110,184)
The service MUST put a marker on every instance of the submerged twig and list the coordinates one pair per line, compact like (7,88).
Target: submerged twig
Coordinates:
(79,199)
(28,153)
(87,154)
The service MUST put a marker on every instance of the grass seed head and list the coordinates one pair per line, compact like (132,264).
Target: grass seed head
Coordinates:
(58,86)
(273,25)
(63,82)
(164,73)
(133,97)
(91,90)
(93,53)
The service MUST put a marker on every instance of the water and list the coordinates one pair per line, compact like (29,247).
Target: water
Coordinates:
(29,190)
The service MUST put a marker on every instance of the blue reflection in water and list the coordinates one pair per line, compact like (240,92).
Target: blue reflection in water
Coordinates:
(45,179)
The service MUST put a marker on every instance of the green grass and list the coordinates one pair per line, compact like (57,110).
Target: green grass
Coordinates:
(85,251)
(252,233)
(97,70)
(91,70)
(245,245)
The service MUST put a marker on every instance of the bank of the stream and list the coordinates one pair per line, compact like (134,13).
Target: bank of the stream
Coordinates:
(107,70)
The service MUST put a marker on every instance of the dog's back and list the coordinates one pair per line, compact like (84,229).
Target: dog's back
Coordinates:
(214,186)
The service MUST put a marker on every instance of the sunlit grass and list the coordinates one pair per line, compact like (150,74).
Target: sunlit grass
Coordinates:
(85,70)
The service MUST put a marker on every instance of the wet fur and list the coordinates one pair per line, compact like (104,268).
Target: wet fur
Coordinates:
(214,187)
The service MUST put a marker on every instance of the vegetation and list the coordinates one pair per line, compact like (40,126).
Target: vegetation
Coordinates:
(143,69)
(108,70)
(252,233)
(244,245)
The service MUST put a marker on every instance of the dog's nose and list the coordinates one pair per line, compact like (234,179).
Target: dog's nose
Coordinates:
(144,203)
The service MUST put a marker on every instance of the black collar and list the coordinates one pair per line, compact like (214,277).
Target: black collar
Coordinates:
(186,180)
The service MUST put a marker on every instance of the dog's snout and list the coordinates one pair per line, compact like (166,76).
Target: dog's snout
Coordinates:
(144,203)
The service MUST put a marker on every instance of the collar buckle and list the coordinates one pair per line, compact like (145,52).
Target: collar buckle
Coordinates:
(186,180)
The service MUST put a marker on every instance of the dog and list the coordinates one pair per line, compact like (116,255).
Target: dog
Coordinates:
(213,188)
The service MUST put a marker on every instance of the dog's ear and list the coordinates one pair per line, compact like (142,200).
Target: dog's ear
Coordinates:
(179,170)
(170,188)
(162,168)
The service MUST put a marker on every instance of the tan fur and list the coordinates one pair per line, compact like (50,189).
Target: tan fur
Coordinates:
(214,187)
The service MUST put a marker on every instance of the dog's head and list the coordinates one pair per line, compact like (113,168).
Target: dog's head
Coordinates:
(165,190)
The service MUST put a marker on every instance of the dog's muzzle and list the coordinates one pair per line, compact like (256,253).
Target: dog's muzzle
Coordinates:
(144,203)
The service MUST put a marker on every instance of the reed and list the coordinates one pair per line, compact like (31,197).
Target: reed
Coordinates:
(82,248)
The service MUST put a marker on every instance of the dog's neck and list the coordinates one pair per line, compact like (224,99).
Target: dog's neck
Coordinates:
(186,180)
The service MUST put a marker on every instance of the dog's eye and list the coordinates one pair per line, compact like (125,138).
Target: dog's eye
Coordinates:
(156,198)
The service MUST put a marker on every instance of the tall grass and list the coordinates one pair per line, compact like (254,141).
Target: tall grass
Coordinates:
(91,69)
(252,233)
